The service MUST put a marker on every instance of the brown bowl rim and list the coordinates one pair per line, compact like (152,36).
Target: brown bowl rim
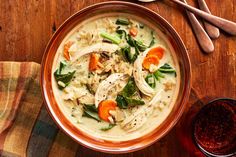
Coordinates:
(145,141)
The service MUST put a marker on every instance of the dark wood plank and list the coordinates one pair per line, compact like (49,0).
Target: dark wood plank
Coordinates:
(26,27)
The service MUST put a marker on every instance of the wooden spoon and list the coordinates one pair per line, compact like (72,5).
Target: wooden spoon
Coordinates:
(202,37)
(212,31)
(226,25)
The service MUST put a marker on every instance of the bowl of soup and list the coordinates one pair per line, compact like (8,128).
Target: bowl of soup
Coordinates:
(115,77)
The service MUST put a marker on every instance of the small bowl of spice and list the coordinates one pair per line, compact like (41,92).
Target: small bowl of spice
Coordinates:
(214,128)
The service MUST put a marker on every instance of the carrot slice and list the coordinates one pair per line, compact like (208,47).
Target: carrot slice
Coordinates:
(104,107)
(66,50)
(93,63)
(133,31)
(151,59)
(156,51)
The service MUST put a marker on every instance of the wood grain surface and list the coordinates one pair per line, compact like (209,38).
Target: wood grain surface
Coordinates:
(27,25)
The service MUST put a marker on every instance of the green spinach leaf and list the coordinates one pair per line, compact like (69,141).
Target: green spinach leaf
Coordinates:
(130,88)
(133,102)
(63,80)
(122,22)
(122,33)
(90,111)
(92,115)
(141,47)
(90,107)
(62,66)
(124,98)
(121,102)
(138,45)
(166,68)
(128,56)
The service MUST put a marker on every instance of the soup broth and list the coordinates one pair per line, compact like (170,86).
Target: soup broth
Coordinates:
(116,77)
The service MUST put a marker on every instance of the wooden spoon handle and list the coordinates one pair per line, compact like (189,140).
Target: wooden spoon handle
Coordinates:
(202,37)
(226,25)
(212,31)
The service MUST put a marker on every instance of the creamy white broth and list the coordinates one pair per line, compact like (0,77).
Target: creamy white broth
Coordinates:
(73,111)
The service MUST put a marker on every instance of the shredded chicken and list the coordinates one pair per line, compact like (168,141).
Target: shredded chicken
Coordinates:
(138,76)
(106,85)
(138,118)
(99,47)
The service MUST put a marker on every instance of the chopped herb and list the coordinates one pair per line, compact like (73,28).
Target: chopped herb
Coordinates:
(110,126)
(122,22)
(63,80)
(150,79)
(153,40)
(113,38)
(90,111)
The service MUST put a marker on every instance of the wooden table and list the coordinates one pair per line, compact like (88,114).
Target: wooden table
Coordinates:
(26,27)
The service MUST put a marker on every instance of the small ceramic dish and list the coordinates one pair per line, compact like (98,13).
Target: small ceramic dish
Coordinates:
(147,16)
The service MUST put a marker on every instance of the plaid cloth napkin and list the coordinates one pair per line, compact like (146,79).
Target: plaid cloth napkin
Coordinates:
(26,129)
